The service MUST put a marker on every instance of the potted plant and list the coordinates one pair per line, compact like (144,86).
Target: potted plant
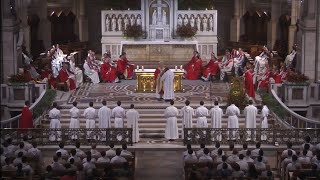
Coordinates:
(186,32)
(18,79)
(297,78)
(133,31)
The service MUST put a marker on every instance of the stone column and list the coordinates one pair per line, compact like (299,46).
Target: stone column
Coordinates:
(22,12)
(306,40)
(272,25)
(235,22)
(295,11)
(317,52)
(83,22)
(10,31)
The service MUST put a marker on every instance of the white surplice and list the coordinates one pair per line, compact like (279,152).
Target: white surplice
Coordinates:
(201,114)
(54,115)
(74,121)
(90,114)
(92,74)
(187,113)
(171,131)
(132,122)
(118,114)
(216,116)
(264,120)
(78,74)
(104,117)
(233,122)
(168,85)
(250,113)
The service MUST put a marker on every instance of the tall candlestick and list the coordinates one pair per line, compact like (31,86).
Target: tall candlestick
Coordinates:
(137,67)
(175,68)
(181,67)
(142,68)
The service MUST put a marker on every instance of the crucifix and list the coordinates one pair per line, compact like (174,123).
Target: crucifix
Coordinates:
(159,5)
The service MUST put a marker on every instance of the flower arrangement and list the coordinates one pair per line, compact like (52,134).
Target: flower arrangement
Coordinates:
(18,78)
(133,31)
(186,31)
(297,78)
(237,93)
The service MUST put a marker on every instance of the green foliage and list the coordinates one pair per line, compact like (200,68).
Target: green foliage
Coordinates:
(272,104)
(237,94)
(44,103)
(133,31)
(186,31)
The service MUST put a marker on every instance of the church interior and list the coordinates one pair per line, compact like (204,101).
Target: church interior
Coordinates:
(160,89)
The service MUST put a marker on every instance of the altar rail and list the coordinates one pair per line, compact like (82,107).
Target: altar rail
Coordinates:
(97,135)
(209,136)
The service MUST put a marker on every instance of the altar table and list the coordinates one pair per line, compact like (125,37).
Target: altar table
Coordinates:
(145,80)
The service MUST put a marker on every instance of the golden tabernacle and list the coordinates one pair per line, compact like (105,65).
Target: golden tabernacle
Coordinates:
(146,82)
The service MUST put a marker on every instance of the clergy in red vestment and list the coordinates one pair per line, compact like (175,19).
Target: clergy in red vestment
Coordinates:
(157,82)
(248,81)
(193,71)
(124,67)
(283,73)
(188,66)
(263,83)
(108,72)
(65,76)
(212,68)
(47,74)
(26,117)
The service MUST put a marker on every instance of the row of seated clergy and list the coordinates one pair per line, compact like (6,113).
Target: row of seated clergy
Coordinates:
(234,61)
(108,71)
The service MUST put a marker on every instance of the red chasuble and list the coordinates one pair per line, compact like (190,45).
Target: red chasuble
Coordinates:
(195,70)
(211,68)
(188,66)
(277,78)
(249,84)
(51,80)
(264,83)
(125,68)
(108,72)
(26,118)
(64,76)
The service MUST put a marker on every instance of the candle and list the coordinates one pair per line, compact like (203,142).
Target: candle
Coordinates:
(142,68)
(137,67)
(175,67)
(181,67)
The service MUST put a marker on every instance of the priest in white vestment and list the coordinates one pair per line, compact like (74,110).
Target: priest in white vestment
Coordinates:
(76,70)
(233,122)
(187,113)
(104,116)
(74,121)
(91,72)
(132,122)
(168,84)
(250,113)
(216,116)
(90,114)
(264,120)
(118,114)
(201,114)
(54,115)
(171,114)
(289,59)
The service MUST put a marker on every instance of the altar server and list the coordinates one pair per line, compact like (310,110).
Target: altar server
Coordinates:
(202,113)
(168,84)
(233,122)
(54,115)
(264,120)
(216,116)
(171,114)
(132,122)
(118,114)
(187,113)
(74,122)
(104,116)
(250,113)
(90,71)
(90,114)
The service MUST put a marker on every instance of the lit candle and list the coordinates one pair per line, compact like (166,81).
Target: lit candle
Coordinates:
(137,67)
(142,68)
(175,67)
(181,67)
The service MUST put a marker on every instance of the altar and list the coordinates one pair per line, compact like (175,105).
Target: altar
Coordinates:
(146,81)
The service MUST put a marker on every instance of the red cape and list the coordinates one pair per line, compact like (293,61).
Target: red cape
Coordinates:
(26,118)
(108,72)
(249,84)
